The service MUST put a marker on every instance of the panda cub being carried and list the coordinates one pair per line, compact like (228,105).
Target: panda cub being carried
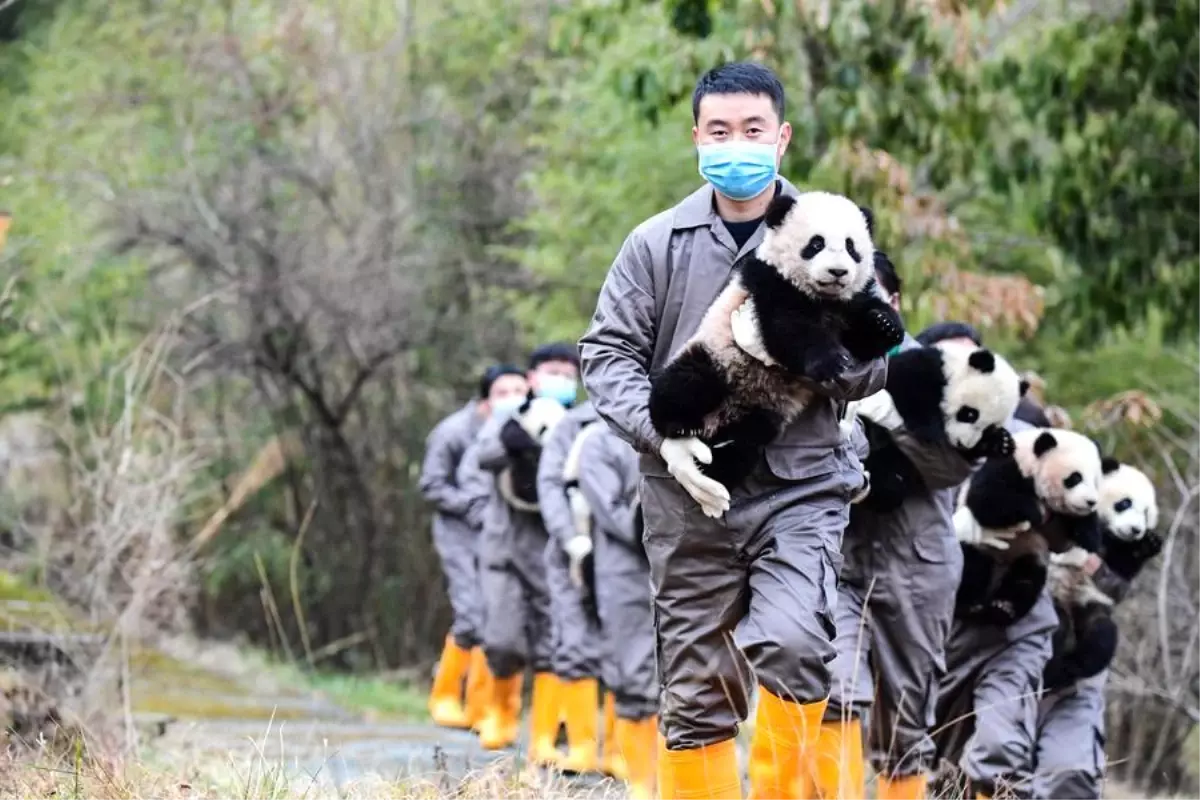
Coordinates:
(949,393)
(1086,639)
(1046,493)
(523,437)
(806,308)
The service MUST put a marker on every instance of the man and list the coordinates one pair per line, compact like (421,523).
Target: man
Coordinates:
(761,577)
(516,630)
(501,387)
(610,484)
(577,640)
(895,607)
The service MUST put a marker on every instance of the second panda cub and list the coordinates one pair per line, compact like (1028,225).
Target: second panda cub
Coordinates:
(947,394)
(808,308)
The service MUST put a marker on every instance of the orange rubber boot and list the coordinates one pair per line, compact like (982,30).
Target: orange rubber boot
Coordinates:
(479,681)
(703,773)
(612,763)
(784,735)
(638,743)
(911,787)
(502,720)
(445,698)
(837,761)
(543,720)
(582,700)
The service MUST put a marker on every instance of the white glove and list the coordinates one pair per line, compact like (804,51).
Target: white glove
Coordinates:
(581,512)
(577,549)
(1076,557)
(681,456)
(863,491)
(744,322)
(968,531)
(880,409)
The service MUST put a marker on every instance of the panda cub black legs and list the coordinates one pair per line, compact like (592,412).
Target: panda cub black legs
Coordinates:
(689,389)
(1013,598)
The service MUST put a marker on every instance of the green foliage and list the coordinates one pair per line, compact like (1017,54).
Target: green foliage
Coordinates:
(1106,161)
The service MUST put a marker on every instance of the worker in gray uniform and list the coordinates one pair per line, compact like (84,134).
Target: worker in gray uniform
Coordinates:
(759,580)
(455,539)
(610,485)
(1069,755)
(988,698)
(516,600)
(576,633)
(895,607)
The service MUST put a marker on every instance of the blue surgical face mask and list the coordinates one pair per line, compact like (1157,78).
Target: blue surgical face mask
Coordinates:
(739,170)
(558,387)
(505,406)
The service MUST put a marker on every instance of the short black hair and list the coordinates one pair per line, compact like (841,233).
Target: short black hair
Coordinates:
(941,331)
(885,273)
(555,351)
(739,77)
(494,373)
(1030,412)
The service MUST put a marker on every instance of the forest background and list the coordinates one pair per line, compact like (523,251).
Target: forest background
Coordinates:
(259,247)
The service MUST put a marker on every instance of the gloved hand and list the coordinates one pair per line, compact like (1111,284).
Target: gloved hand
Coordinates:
(744,323)
(880,408)
(861,493)
(581,512)
(681,456)
(1076,557)
(577,548)
(968,531)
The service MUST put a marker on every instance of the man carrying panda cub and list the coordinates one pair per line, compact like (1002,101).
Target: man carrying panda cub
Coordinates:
(941,412)
(748,568)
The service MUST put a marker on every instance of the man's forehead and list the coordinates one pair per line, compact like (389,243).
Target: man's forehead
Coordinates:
(737,107)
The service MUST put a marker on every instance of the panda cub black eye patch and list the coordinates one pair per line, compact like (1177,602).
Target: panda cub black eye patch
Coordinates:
(853,251)
(1073,480)
(967,415)
(815,245)
(1123,505)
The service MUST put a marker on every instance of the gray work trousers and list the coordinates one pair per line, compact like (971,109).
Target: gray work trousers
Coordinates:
(758,585)
(516,600)
(1070,742)
(577,643)
(456,543)
(988,700)
(895,609)
(627,613)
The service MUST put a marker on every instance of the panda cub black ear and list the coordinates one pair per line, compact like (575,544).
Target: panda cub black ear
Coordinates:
(1109,465)
(982,361)
(778,210)
(870,218)
(1024,387)
(1044,444)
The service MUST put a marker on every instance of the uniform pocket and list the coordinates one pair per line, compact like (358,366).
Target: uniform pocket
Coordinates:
(932,549)
(798,463)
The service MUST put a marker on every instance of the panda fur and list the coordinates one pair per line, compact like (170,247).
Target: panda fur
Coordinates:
(1086,639)
(809,289)
(946,393)
(1051,486)
(528,429)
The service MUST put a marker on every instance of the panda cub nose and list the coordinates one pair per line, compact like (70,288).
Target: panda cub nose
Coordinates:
(839,273)
(1091,503)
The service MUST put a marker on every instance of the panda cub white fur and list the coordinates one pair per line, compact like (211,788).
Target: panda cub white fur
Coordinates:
(517,483)
(808,294)
(1050,487)
(949,393)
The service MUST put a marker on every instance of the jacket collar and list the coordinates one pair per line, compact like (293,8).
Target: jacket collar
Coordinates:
(698,209)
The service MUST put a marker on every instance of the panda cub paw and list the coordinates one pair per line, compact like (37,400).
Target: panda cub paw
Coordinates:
(996,442)
(997,612)
(826,366)
(885,324)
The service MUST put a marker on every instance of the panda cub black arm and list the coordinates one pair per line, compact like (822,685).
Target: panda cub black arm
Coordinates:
(685,391)
(873,327)
(1000,497)
(1082,531)
(792,325)
(975,582)
(1095,646)
(1019,590)
(916,384)
(893,476)
(1127,559)
(994,442)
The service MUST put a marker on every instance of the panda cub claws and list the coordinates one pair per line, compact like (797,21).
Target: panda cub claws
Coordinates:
(822,366)
(886,324)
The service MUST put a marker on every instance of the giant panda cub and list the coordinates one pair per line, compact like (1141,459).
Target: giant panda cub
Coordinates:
(808,293)
(1049,488)
(523,437)
(1086,639)
(948,393)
